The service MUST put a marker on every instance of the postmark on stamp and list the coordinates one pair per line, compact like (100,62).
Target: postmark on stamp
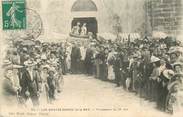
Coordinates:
(14,14)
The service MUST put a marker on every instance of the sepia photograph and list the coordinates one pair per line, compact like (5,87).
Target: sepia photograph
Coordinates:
(91,58)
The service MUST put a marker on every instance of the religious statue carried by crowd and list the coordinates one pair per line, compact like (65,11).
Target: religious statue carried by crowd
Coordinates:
(79,31)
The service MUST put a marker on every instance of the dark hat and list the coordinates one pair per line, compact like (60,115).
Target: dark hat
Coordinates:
(177,64)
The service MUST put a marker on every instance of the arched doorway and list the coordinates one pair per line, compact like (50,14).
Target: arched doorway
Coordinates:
(84,11)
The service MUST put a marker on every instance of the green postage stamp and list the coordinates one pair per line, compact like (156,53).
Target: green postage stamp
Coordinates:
(14,14)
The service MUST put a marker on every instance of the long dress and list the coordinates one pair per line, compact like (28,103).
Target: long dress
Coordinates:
(179,107)
(110,59)
(135,74)
(89,61)
(174,101)
(162,92)
(75,59)
(97,64)
(83,56)
(102,66)
(44,89)
(59,81)
(117,66)
(154,77)
(68,58)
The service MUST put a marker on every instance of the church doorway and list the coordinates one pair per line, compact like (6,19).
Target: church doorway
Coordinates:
(91,24)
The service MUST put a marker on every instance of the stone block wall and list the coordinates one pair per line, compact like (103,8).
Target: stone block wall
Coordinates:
(166,15)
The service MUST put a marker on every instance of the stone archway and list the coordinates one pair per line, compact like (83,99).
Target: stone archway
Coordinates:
(84,5)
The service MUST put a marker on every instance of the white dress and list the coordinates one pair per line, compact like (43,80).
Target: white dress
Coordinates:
(111,75)
(44,89)
(178,108)
(68,58)
(59,81)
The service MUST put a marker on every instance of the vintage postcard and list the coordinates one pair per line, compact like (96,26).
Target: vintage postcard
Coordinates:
(91,58)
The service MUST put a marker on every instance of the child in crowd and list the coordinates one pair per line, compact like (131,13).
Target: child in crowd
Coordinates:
(51,85)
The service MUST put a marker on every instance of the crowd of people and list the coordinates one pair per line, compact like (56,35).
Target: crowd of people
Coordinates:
(33,72)
(153,69)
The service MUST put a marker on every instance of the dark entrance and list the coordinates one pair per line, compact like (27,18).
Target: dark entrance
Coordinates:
(91,24)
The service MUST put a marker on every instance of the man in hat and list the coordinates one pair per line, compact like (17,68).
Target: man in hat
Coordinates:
(97,62)
(117,68)
(23,55)
(30,82)
(173,57)
(146,71)
(62,58)
(155,62)
(101,57)
(75,58)
(89,61)
(135,72)
(11,86)
(178,67)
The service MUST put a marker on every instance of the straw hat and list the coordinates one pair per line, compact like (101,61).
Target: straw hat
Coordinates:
(29,63)
(154,59)
(6,63)
(46,67)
